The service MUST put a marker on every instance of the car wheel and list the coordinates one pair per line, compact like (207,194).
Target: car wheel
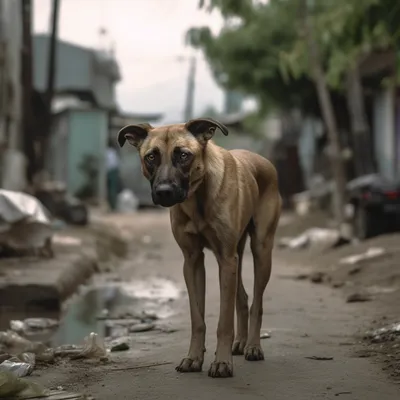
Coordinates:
(363,226)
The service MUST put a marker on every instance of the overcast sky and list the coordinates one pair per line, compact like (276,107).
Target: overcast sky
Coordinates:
(148,35)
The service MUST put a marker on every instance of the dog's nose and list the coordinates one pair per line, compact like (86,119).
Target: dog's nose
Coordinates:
(164,193)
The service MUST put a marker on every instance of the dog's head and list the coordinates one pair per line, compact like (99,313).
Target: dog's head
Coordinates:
(172,156)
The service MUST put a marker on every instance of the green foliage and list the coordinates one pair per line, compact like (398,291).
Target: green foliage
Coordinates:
(246,57)
(264,54)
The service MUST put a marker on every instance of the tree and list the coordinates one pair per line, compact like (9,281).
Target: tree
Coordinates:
(262,52)
(245,56)
(349,32)
(249,55)
(319,78)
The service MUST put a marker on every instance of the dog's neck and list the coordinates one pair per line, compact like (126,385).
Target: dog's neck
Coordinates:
(201,201)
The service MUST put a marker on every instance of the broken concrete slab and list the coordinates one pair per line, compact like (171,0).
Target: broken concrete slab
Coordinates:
(38,283)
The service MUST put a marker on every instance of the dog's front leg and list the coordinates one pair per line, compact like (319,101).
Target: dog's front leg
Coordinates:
(222,367)
(194,273)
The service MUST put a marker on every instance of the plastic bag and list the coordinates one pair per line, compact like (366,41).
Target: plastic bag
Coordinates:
(11,386)
(19,368)
(93,348)
(11,340)
(127,201)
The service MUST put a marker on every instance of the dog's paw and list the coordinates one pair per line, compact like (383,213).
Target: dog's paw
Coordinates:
(221,369)
(253,353)
(190,365)
(238,347)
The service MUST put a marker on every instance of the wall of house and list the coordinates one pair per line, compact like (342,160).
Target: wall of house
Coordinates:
(77,133)
(87,136)
(384,132)
(73,65)
(78,69)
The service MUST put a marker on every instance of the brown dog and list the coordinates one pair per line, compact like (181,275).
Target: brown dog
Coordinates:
(217,198)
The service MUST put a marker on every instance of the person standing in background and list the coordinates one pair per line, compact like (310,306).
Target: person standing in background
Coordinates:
(112,165)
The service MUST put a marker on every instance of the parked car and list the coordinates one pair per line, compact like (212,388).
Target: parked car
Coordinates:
(375,204)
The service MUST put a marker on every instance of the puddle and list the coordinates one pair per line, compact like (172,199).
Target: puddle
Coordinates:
(109,310)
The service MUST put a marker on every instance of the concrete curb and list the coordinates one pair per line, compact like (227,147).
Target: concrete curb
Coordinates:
(44,284)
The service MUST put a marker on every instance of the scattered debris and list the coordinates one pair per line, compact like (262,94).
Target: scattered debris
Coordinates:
(340,393)
(14,387)
(127,202)
(386,334)
(17,344)
(11,386)
(93,348)
(302,277)
(265,335)
(363,354)
(120,345)
(380,290)
(337,285)
(66,240)
(167,329)
(317,358)
(145,327)
(297,277)
(142,366)
(317,277)
(18,368)
(25,227)
(372,252)
(355,270)
(358,298)
(311,237)
(32,325)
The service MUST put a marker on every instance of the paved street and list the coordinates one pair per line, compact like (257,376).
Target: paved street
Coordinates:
(304,321)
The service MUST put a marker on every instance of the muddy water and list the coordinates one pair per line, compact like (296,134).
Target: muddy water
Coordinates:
(107,309)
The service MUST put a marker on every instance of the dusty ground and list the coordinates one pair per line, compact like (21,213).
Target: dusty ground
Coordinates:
(304,320)
(375,281)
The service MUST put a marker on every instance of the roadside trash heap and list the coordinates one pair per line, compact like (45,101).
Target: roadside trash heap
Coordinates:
(25,227)
(19,356)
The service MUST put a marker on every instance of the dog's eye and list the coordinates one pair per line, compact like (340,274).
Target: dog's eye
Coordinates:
(150,157)
(184,156)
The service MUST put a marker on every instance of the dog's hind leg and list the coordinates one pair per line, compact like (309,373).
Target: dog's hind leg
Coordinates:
(262,238)
(242,306)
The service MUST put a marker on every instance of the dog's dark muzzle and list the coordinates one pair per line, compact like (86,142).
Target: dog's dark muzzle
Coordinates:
(167,195)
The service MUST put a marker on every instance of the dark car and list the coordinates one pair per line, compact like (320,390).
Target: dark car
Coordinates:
(376,205)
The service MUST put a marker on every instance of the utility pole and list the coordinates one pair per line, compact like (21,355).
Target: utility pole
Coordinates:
(189,104)
(27,54)
(51,76)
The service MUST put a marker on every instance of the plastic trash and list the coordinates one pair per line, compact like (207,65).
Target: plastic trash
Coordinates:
(11,386)
(127,201)
(31,325)
(19,368)
(372,252)
(11,340)
(93,348)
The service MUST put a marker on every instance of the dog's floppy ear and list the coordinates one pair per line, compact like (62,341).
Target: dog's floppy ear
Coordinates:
(204,128)
(134,134)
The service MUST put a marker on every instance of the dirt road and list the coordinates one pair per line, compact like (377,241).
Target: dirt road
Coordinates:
(304,321)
